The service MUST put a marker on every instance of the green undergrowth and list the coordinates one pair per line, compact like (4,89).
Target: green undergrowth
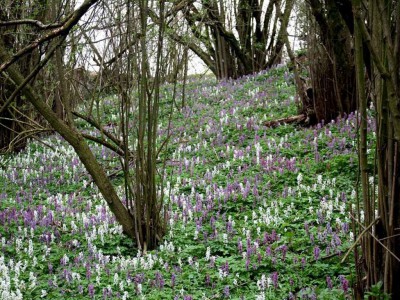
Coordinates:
(254,212)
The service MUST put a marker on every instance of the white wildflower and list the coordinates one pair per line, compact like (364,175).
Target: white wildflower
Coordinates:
(208,253)
(225,238)
(371,180)
(139,289)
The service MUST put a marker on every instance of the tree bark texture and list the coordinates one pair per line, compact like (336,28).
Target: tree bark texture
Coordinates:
(380,249)
(11,121)
(331,62)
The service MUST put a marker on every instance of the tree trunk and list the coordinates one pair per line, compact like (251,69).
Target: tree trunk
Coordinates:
(253,44)
(382,254)
(363,159)
(10,121)
(76,140)
(332,63)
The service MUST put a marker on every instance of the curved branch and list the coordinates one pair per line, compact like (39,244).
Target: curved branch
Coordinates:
(64,29)
(228,36)
(96,125)
(282,35)
(103,142)
(32,22)
(204,56)
(35,71)
(77,141)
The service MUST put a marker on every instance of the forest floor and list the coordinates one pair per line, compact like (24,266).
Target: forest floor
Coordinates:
(255,212)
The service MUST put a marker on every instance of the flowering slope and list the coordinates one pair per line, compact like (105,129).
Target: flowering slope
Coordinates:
(254,212)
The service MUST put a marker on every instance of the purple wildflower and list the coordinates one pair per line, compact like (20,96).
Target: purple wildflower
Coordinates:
(345,227)
(313,296)
(268,251)
(329,282)
(240,246)
(284,249)
(303,262)
(274,279)
(208,280)
(159,280)
(344,282)
(173,279)
(88,272)
(274,236)
(328,249)
(316,252)
(91,290)
(337,240)
(225,268)
(312,238)
(259,257)
(226,291)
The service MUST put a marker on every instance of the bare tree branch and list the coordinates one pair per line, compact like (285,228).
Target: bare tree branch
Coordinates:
(64,29)
(35,23)
(37,69)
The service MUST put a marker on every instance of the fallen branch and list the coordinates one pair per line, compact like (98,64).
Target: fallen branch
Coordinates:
(287,120)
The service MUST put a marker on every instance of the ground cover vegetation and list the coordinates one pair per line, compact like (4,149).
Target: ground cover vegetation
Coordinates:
(217,191)
(253,212)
